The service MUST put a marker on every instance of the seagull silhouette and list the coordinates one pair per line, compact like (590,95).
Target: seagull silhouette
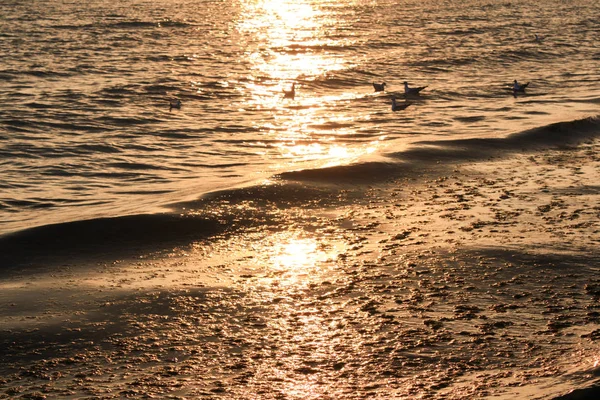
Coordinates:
(379,87)
(517,87)
(414,90)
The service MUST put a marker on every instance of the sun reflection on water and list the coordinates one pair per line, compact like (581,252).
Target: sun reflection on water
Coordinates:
(290,42)
(285,34)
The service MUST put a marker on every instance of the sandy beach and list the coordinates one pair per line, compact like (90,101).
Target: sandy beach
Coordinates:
(476,279)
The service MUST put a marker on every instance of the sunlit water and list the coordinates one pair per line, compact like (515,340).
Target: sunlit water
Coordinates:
(85,125)
(310,247)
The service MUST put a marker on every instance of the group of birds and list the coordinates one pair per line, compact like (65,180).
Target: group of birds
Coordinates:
(379,87)
(408,91)
(415,91)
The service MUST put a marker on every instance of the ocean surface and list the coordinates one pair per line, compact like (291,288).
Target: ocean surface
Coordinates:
(94,160)
(85,125)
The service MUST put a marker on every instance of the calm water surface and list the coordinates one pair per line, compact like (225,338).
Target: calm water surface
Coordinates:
(85,125)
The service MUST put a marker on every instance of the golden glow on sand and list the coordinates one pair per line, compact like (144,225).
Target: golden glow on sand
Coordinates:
(295,254)
(293,259)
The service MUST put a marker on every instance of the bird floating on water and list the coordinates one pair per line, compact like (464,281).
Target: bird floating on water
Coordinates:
(175,103)
(413,90)
(539,38)
(379,87)
(399,107)
(290,94)
(519,88)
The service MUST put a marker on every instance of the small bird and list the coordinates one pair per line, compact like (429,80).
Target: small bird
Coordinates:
(175,103)
(379,87)
(290,94)
(539,38)
(517,87)
(413,91)
(399,107)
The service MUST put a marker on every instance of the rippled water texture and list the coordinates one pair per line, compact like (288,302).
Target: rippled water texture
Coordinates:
(314,246)
(85,126)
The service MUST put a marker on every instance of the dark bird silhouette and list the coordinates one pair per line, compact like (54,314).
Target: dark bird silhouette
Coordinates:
(413,90)
(175,103)
(379,87)
(517,87)
(290,94)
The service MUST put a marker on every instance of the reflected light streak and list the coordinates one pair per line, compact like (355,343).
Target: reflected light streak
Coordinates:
(284,34)
(324,155)
(286,42)
(297,254)
(292,259)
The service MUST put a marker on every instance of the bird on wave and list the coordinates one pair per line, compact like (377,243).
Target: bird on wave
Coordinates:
(399,107)
(290,94)
(518,87)
(175,103)
(539,38)
(379,87)
(414,90)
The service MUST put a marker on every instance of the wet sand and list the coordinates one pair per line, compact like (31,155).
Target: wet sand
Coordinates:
(476,280)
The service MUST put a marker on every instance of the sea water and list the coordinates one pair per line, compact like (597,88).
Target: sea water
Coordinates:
(86,130)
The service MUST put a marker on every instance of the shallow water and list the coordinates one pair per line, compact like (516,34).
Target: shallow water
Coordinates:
(477,280)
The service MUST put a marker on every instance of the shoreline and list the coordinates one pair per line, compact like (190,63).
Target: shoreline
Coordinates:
(478,282)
